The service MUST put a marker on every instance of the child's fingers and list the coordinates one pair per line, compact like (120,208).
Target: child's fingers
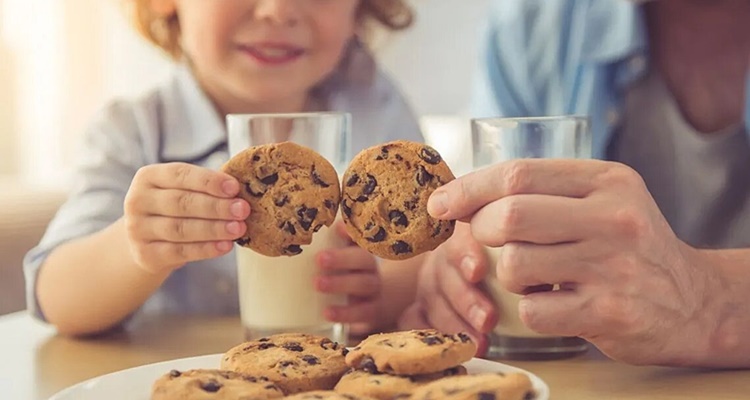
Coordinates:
(158,256)
(186,204)
(365,311)
(356,284)
(188,177)
(185,230)
(350,258)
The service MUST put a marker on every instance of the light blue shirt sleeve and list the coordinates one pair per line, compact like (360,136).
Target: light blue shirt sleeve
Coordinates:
(111,156)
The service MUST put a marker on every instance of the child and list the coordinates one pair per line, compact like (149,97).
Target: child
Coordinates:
(150,222)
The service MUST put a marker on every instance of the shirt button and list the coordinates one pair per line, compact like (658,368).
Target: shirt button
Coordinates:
(613,117)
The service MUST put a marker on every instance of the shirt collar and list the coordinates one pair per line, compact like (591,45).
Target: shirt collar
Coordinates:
(191,126)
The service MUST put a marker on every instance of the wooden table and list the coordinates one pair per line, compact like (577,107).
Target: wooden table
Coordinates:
(35,363)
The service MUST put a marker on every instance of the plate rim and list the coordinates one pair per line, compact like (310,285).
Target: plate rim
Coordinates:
(538,383)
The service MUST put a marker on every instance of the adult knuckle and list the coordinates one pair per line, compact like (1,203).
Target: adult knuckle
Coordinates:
(619,175)
(516,176)
(615,311)
(630,222)
(509,266)
(511,213)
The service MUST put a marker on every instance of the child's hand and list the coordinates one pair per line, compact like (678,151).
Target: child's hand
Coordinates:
(354,272)
(176,213)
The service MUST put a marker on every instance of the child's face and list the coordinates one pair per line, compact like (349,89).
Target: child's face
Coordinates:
(265,51)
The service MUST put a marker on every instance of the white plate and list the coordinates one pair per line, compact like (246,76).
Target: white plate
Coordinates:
(135,383)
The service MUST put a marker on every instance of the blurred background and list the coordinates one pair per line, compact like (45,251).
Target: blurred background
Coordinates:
(62,60)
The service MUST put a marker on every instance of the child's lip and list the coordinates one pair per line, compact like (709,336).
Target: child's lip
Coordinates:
(272,53)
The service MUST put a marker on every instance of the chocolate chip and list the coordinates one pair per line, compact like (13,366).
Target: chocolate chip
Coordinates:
(370,186)
(271,387)
(344,351)
(326,344)
(330,204)
(284,364)
(270,179)
(398,218)
(432,340)
(289,227)
(292,346)
(464,337)
(256,158)
(254,193)
(265,339)
(243,241)
(266,346)
(212,386)
(401,247)
(430,155)
(529,396)
(306,216)
(411,205)
(378,237)
(318,180)
(368,365)
(423,177)
(281,202)
(485,396)
(317,228)
(312,360)
(346,209)
(383,154)
(293,249)
(352,180)
(437,229)
(175,373)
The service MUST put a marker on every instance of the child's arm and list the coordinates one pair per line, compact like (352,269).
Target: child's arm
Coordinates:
(173,214)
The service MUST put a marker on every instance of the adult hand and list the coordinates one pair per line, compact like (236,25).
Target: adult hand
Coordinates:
(629,285)
(448,297)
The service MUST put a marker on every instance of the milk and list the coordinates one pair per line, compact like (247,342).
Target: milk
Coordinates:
(277,294)
(511,339)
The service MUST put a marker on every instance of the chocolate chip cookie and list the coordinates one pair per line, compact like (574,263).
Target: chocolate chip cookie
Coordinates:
(204,384)
(478,387)
(296,362)
(414,352)
(387,387)
(384,199)
(326,395)
(293,192)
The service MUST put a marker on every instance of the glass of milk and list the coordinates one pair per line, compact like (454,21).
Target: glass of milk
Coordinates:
(495,140)
(277,294)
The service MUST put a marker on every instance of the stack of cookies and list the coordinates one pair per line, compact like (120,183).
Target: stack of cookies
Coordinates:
(421,364)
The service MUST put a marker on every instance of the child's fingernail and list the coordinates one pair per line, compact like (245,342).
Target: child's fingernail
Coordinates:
(237,209)
(233,227)
(230,187)
(468,266)
(323,284)
(477,317)
(437,205)
(224,246)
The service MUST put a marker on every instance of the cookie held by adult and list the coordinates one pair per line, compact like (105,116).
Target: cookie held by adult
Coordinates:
(384,199)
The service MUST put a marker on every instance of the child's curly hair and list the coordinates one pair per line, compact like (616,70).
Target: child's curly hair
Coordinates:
(165,32)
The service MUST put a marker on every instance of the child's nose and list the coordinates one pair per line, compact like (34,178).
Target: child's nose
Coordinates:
(282,12)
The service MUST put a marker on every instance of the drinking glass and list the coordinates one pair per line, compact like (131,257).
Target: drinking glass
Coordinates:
(277,293)
(496,140)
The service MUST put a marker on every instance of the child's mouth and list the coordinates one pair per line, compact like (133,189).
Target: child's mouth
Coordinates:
(272,53)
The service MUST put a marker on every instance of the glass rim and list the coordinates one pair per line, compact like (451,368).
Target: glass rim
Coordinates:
(548,118)
(289,115)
